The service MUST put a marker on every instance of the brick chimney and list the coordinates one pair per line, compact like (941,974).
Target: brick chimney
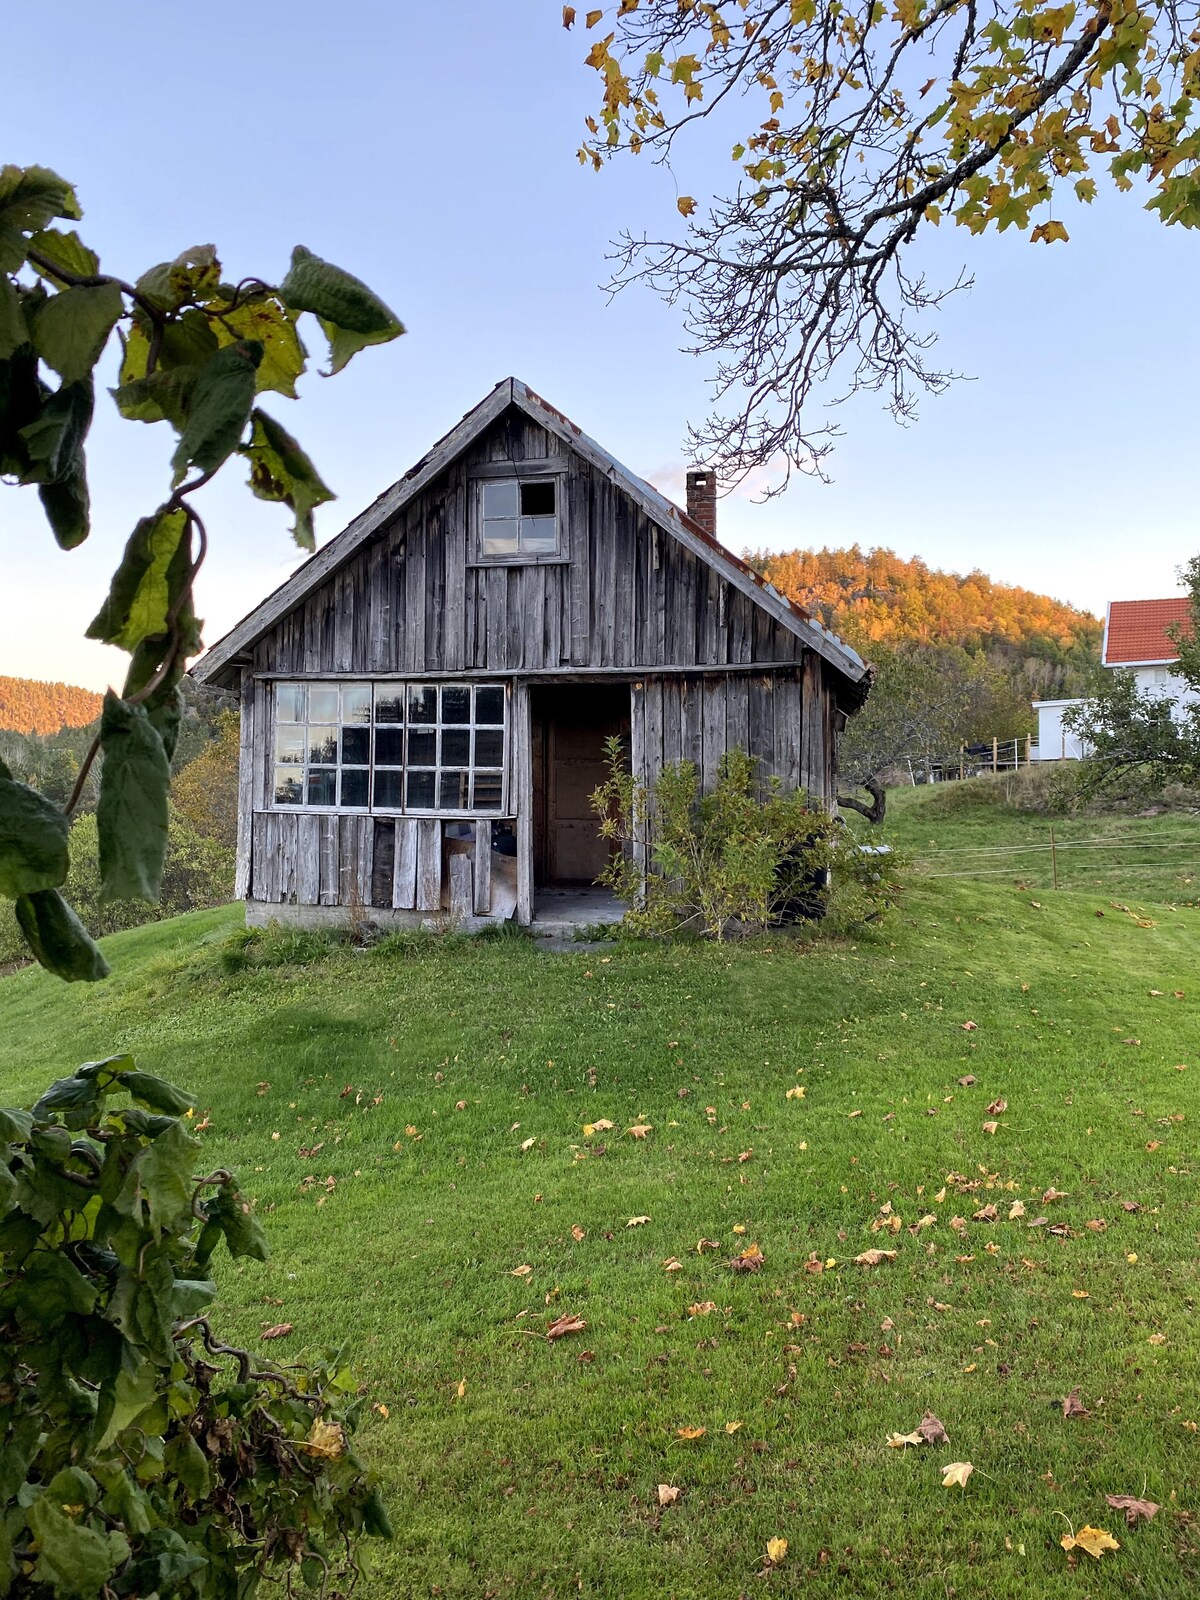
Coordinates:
(702,498)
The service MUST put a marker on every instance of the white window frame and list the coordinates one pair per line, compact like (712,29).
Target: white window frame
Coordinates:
(388,687)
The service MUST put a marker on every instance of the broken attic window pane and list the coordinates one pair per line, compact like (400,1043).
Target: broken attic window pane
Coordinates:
(488,791)
(537,499)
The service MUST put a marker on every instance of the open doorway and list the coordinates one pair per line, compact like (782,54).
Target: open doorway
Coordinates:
(569,728)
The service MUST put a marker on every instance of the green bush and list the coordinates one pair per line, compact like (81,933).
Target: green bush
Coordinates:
(741,858)
(142,1456)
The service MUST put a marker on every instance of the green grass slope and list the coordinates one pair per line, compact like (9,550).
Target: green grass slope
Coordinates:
(411,1119)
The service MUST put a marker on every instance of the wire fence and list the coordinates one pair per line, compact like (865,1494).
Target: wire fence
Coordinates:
(972,760)
(1062,859)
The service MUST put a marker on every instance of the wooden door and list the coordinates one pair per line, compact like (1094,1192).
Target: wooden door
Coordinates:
(568,769)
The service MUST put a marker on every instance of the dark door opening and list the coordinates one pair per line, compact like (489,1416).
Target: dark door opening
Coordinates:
(569,727)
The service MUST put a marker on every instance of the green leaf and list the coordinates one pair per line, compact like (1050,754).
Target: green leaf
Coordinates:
(158,1185)
(66,251)
(132,812)
(33,841)
(375,1517)
(54,439)
(136,1389)
(58,939)
(54,1288)
(280,470)
(350,313)
(30,197)
(13,331)
(190,1465)
(157,1093)
(220,408)
(194,274)
(68,1094)
(15,1126)
(73,1559)
(72,328)
(21,396)
(229,1213)
(264,318)
(140,598)
(67,505)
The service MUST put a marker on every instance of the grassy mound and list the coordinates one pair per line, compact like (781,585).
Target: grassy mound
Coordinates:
(414,1121)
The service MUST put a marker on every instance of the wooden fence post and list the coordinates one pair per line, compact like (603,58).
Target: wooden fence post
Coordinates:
(995,754)
(1053,856)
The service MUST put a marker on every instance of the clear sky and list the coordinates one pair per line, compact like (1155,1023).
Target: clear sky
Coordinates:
(430,148)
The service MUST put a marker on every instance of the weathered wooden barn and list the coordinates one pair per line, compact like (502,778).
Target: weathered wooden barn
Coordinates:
(425,701)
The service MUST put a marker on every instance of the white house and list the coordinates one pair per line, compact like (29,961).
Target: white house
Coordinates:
(1135,640)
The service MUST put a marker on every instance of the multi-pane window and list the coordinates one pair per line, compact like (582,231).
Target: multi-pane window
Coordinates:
(414,748)
(519,517)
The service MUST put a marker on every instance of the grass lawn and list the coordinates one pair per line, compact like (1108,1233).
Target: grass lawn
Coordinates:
(980,829)
(411,1119)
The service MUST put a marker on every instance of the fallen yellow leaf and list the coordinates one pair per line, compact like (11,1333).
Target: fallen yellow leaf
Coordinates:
(732,1427)
(691,1433)
(640,1129)
(528,1144)
(702,1308)
(668,1494)
(462,1388)
(897,1441)
(956,1474)
(776,1550)
(872,1258)
(577,1233)
(797,1093)
(1094,1540)
(523,1271)
(637,1222)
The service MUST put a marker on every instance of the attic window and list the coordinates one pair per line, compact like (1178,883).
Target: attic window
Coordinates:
(519,517)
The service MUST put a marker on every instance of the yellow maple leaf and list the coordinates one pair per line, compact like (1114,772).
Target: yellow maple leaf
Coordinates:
(732,1427)
(956,1474)
(640,1129)
(637,1222)
(776,1550)
(691,1433)
(702,1308)
(462,1388)
(897,1441)
(601,1126)
(668,1494)
(796,1093)
(1094,1540)
(686,205)
(873,1258)
(528,1144)
(325,1439)
(523,1271)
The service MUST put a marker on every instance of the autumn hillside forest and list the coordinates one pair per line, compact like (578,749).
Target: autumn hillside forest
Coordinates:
(27,706)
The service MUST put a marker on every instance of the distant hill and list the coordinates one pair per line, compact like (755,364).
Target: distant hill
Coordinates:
(27,706)
(873,597)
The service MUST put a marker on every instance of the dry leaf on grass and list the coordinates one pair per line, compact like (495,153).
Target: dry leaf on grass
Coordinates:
(1094,1540)
(690,1433)
(872,1258)
(732,1427)
(1073,1406)
(702,1308)
(640,1129)
(707,1244)
(1135,1510)
(990,1127)
(796,1093)
(749,1260)
(777,1549)
(969,1027)
(638,1222)
(668,1494)
(931,1430)
(1054,1194)
(279,1331)
(987,1213)
(897,1441)
(998,1108)
(1017,1209)
(528,1144)
(1157,1338)
(603,1126)
(565,1324)
(966,1081)
(672,1264)
(577,1233)
(956,1474)
(523,1271)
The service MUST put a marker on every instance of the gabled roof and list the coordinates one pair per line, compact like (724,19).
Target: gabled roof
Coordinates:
(1135,631)
(512,392)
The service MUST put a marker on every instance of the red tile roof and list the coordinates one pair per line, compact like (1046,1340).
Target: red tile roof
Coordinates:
(1136,631)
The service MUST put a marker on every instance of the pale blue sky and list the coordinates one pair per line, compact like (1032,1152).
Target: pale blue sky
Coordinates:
(431,150)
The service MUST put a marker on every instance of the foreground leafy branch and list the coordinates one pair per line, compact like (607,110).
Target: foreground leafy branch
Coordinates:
(196,354)
(142,1455)
(855,125)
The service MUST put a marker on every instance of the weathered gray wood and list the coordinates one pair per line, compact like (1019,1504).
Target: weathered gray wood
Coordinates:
(543,467)
(308,860)
(245,794)
(521,781)
(383,862)
(429,864)
(637,761)
(483,867)
(692,701)
(715,743)
(330,871)
(462,894)
(404,871)
(652,729)
(737,714)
